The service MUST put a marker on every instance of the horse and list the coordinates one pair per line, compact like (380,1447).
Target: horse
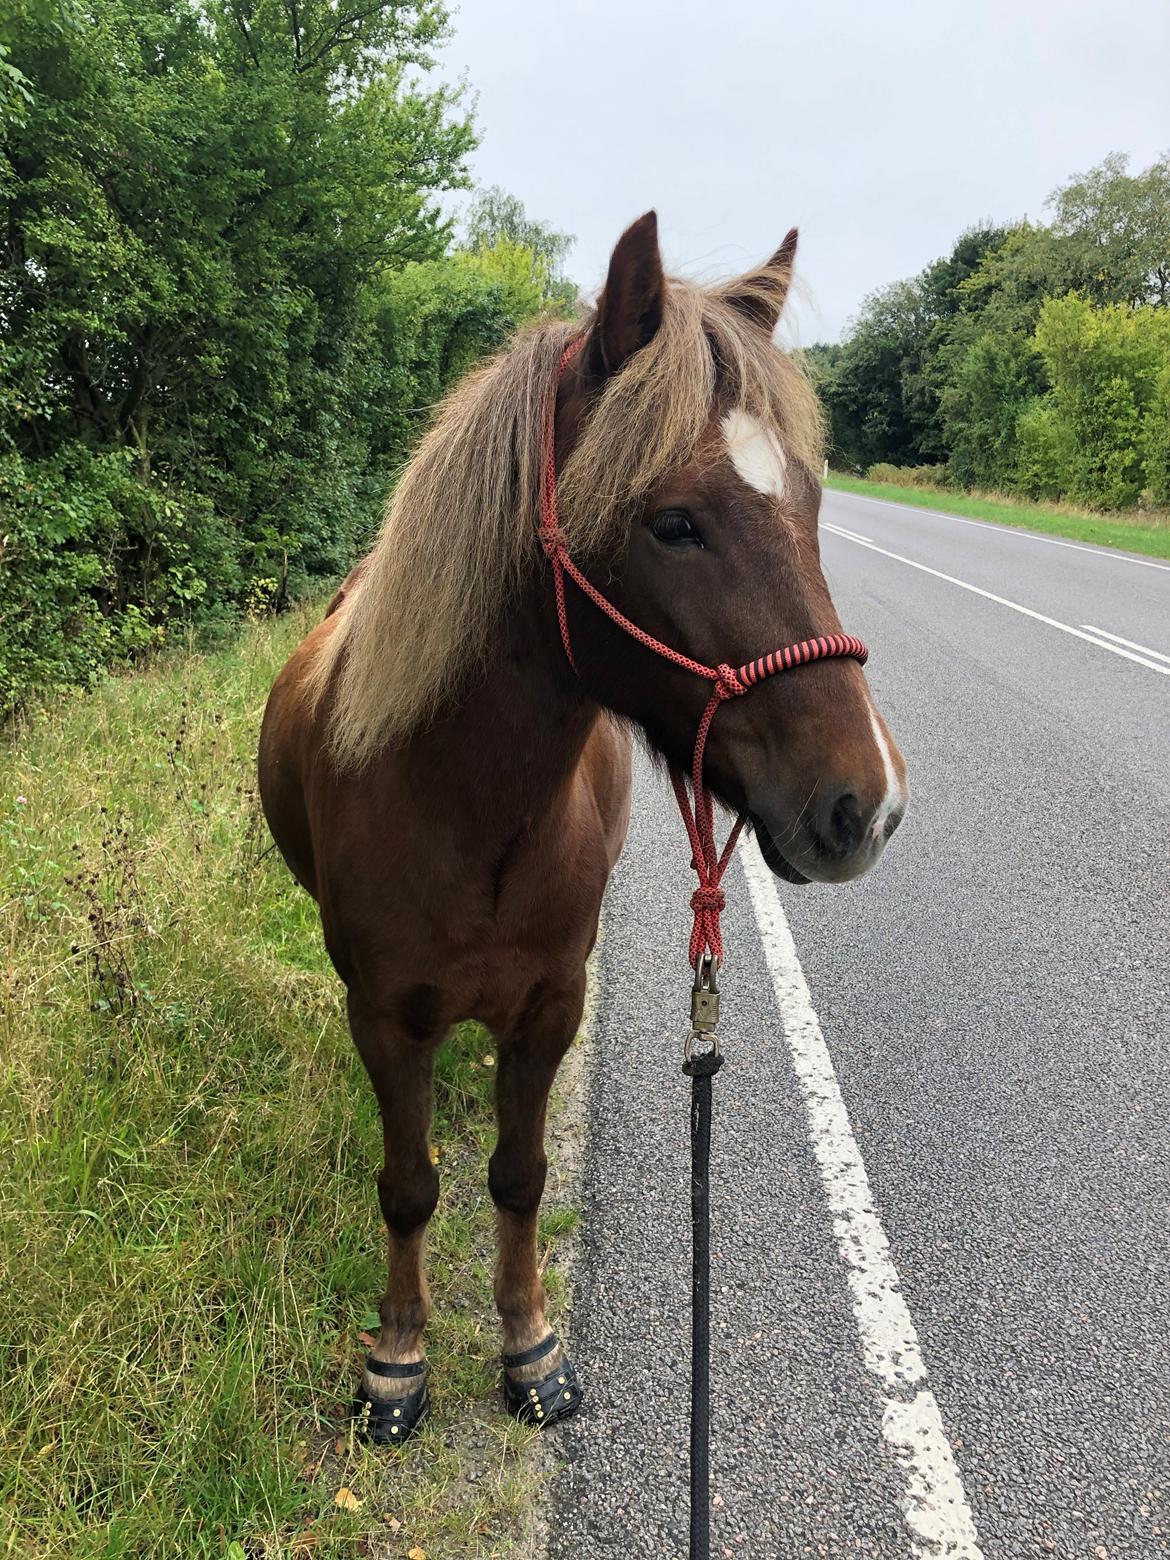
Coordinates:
(454,790)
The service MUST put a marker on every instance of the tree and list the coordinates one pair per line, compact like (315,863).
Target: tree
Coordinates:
(869,416)
(494,217)
(883,390)
(196,198)
(1119,226)
(974,363)
(433,320)
(228,299)
(994,379)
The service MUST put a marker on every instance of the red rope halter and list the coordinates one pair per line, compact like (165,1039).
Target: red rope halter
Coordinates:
(727,682)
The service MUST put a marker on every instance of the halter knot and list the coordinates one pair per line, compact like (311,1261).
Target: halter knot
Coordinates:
(727,682)
(707,902)
(552,541)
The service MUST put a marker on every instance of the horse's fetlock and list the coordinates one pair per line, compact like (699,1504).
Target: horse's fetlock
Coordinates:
(403,1318)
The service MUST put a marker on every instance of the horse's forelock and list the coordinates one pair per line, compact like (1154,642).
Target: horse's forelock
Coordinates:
(460,528)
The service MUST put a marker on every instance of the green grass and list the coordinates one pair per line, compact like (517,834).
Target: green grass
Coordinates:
(190,1242)
(1133,533)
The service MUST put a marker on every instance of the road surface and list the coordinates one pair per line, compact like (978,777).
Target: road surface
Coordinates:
(941,1183)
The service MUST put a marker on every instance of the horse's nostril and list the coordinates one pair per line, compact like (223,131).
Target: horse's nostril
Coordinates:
(843,826)
(846,825)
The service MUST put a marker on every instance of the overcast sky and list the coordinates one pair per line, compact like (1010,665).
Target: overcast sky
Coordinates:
(881,130)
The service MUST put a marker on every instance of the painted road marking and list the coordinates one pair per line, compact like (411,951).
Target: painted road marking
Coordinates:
(1114,555)
(989,595)
(1105,634)
(936,1510)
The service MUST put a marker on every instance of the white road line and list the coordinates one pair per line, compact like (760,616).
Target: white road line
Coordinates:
(1114,555)
(988,595)
(1105,634)
(935,1508)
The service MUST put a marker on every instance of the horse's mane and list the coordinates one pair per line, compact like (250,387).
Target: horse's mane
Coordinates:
(461,527)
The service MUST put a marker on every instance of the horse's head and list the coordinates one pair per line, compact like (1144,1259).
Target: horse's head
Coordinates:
(687,444)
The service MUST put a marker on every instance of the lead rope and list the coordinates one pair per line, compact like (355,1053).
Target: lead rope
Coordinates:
(702,1068)
(707,901)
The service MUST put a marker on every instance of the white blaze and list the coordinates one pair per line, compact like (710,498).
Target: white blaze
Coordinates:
(756,452)
(894,796)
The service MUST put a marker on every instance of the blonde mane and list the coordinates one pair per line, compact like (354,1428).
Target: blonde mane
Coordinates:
(460,533)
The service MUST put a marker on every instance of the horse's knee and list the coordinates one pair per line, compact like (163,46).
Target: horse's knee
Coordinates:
(516,1187)
(408,1198)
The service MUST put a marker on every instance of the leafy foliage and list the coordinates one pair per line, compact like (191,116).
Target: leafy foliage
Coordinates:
(990,384)
(1033,359)
(882,390)
(434,319)
(211,359)
(1107,368)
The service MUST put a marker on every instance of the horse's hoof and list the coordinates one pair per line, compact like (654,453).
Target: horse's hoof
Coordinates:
(547,1398)
(388,1421)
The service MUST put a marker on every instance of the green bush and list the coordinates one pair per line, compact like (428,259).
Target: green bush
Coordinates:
(1107,367)
(434,320)
(94,564)
(1042,454)
(62,529)
(991,383)
(1156,437)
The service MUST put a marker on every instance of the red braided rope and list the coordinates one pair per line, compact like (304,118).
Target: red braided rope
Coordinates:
(727,682)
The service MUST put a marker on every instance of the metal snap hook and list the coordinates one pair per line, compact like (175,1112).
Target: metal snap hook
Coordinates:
(705,995)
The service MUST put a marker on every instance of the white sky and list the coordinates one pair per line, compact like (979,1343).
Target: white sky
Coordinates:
(881,129)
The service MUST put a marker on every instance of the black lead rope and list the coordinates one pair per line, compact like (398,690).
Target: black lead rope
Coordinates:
(701,1068)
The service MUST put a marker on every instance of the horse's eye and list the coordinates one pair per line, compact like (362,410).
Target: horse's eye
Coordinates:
(673,526)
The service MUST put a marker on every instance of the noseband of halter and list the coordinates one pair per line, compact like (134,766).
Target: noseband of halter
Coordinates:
(727,682)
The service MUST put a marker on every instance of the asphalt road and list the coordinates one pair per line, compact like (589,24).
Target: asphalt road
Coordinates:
(995,1002)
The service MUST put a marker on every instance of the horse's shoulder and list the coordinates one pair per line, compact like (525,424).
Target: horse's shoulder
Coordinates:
(608,763)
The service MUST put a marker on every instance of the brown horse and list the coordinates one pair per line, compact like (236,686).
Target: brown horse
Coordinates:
(454,795)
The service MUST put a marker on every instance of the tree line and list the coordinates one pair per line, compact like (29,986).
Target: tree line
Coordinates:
(229,297)
(1033,359)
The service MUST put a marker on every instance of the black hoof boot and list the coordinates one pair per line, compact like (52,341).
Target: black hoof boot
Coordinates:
(388,1421)
(541,1400)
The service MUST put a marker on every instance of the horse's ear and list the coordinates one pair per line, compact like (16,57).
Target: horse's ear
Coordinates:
(629,310)
(761,294)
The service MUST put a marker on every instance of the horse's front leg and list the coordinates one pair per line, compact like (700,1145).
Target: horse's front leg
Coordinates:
(539,1383)
(392,1398)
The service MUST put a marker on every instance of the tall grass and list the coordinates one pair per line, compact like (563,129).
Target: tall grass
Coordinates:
(190,1243)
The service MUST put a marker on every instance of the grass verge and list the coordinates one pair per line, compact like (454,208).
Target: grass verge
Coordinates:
(1134,534)
(190,1244)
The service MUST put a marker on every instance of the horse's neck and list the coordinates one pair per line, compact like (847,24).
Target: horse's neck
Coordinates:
(514,742)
